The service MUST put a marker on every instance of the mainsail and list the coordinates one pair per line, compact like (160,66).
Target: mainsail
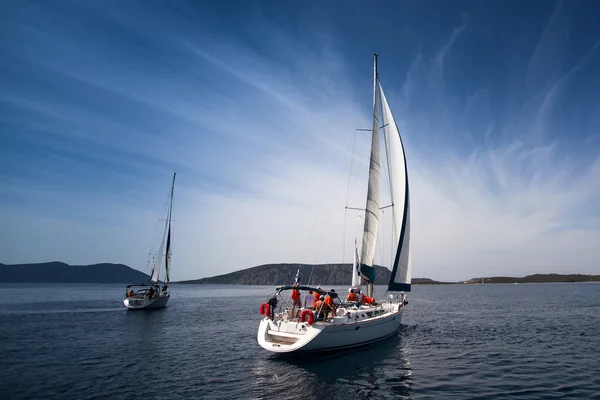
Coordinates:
(372,208)
(166,235)
(398,178)
(158,259)
(396,162)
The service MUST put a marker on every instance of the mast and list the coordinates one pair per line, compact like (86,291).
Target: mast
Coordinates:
(169,219)
(367,271)
(156,268)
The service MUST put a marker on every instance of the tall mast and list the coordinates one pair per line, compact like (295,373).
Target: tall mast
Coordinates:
(168,251)
(367,269)
(375,75)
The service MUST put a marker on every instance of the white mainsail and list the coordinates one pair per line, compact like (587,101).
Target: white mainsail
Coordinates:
(396,162)
(158,259)
(166,235)
(372,208)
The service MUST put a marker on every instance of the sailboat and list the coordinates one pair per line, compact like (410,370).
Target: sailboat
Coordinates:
(151,295)
(347,323)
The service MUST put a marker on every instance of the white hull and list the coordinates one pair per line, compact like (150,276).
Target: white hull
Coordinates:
(136,303)
(282,336)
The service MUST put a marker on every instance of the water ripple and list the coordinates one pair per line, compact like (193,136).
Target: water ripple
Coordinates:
(457,342)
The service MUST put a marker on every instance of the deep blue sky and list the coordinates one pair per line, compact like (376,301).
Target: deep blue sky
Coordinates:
(254,105)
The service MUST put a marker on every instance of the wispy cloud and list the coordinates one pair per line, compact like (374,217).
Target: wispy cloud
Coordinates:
(259,122)
(438,65)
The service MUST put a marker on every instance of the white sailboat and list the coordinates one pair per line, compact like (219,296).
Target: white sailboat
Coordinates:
(152,295)
(354,323)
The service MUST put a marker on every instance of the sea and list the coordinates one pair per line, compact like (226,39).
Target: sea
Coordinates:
(525,341)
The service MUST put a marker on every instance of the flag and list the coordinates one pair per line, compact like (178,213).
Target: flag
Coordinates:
(297,277)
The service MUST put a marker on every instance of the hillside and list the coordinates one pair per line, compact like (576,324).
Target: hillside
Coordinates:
(58,272)
(537,278)
(278,274)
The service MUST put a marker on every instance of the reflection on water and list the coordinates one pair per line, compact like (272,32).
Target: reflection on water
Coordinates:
(381,370)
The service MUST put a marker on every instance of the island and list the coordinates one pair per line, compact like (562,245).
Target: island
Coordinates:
(279,274)
(535,278)
(267,274)
(59,272)
(340,274)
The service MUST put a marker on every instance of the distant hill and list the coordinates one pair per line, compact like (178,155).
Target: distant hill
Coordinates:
(427,281)
(58,272)
(279,274)
(538,278)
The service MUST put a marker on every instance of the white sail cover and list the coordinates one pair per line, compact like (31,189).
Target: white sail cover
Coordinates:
(355,264)
(396,162)
(372,209)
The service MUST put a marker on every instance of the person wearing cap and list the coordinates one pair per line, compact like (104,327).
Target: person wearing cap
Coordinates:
(317,295)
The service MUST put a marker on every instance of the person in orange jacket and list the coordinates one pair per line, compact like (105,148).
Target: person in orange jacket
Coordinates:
(317,295)
(351,296)
(296,299)
(367,300)
(319,307)
(329,303)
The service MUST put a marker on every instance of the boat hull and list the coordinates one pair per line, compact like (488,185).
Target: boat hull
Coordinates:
(133,303)
(297,337)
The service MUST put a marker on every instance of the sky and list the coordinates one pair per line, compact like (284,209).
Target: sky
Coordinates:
(256,106)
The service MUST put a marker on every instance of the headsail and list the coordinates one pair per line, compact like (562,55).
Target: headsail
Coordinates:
(367,271)
(396,162)
(168,257)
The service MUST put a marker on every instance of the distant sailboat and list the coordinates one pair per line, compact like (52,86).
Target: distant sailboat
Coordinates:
(151,295)
(354,323)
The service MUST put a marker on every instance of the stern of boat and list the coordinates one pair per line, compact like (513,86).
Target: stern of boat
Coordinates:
(145,303)
(136,303)
(286,336)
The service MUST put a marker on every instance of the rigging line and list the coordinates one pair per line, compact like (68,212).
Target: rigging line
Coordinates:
(327,190)
(387,158)
(339,169)
(157,235)
(348,193)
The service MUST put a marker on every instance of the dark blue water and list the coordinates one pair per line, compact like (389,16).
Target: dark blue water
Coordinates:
(458,342)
